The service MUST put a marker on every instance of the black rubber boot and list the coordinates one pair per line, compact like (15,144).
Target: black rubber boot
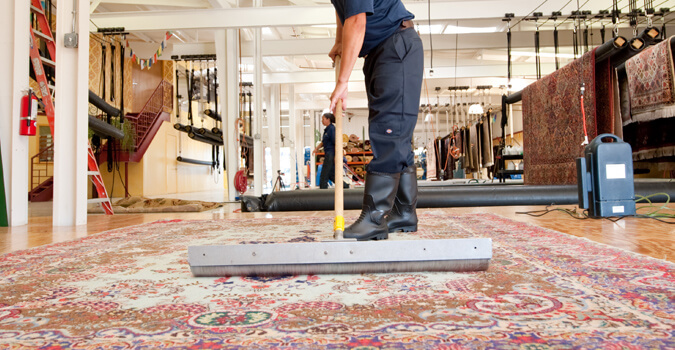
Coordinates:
(378,198)
(403,215)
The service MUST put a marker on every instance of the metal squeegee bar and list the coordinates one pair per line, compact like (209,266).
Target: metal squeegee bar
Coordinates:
(341,257)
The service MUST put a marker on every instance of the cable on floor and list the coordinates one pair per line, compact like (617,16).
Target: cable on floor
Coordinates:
(657,214)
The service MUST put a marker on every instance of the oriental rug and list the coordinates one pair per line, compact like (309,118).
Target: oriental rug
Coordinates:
(651,83)
(131,288)
(553,124)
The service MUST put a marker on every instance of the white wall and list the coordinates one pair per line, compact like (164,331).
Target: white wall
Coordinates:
(14,58)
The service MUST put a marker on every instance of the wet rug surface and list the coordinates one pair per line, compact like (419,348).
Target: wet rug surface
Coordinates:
(132,288)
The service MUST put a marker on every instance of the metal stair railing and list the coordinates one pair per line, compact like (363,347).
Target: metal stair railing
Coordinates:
(41,170)
(160,101)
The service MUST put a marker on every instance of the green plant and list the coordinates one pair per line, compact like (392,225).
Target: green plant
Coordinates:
(129,129)
(129,141)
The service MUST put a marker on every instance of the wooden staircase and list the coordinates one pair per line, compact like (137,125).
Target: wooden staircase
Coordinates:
(42,179)
(44,192)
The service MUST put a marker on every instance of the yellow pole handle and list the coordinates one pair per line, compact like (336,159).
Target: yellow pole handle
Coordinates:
(339,190)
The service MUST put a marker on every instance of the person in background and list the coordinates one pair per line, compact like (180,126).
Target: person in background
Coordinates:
(328,144)
(382,32)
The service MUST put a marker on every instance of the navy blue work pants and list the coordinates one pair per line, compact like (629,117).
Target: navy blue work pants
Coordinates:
(327,170)
(394,71)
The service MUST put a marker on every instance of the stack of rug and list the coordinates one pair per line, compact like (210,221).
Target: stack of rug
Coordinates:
(132,288)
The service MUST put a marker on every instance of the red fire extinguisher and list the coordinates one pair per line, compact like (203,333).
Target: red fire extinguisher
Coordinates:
(29,108)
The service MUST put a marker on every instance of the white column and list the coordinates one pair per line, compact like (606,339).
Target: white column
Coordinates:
(14,55)
(228,90)
(300,146)
(291,132)
(274,120)
(70,117)
(312,167)
(258,154)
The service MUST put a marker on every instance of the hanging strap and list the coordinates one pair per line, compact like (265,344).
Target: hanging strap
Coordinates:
(104,47)
(585,37)
(213,157)
(649,12)
(122,57)
(575,41)
(633,16)
(615,18)
(177,93)
(508,39)
(602,33)
(250,114)
(583,114)
(208,83)
(537,55)
(556,47)
(215,96)
(112,71)
(190,87)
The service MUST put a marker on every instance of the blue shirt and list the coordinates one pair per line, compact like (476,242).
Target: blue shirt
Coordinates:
(384,17)
(328,139)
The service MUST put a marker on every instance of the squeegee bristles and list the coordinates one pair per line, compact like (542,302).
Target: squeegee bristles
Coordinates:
(343,268)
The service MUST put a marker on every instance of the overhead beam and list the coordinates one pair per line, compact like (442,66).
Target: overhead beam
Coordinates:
(273,16)
(93,5)
(478,71)
(299,47)
(175,3)
(220,4)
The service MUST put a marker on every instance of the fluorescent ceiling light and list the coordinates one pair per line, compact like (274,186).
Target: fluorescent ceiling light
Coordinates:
(541,54)
(434,29)
(450,29)
(266,31)
(476,109)
(330,26)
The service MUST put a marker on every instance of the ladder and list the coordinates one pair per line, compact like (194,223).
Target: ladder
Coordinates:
(44,32)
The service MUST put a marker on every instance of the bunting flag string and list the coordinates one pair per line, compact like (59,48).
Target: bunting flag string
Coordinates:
(148,62)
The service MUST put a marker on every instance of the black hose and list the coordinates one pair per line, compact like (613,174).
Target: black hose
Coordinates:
(452,196)
(204,139)
(212,114)
(194,161)
(103,105)
(104,129)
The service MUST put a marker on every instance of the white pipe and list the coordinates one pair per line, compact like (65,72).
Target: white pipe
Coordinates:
(71,110)
(226,55)
(312,167)
(273,119)
(258,154)
(291,133)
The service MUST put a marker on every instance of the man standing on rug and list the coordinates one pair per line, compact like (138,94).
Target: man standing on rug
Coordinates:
(382,32)
(328,144)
